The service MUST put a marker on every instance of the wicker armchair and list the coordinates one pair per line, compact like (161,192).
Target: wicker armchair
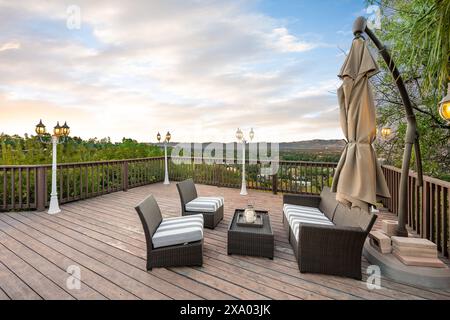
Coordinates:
(188,195)
(182,254)
(330,247)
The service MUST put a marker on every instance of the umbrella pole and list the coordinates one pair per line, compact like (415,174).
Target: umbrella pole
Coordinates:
(412,136)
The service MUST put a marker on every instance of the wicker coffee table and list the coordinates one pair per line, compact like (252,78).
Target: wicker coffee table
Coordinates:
(251,241)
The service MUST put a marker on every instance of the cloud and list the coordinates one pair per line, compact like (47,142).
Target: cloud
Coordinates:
(198,68)
(282,40)
(9,46)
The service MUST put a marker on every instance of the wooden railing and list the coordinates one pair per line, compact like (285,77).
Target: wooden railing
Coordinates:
(29,187)
(428,207)
(292,176)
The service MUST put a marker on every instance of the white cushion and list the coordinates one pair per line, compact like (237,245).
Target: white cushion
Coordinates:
(293,216)
(290,210)
(297,207)
(179,230)
(295,224)
(306,215)
(204,204)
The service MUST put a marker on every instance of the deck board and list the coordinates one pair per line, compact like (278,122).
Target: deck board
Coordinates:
(104,237)
(14,287)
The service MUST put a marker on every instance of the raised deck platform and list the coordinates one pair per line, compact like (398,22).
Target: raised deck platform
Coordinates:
(104,238)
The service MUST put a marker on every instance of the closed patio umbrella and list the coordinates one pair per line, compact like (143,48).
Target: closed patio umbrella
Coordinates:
(358,178)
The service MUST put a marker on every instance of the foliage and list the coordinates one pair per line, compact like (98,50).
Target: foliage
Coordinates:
(30,150)
(310,156)
(417,33)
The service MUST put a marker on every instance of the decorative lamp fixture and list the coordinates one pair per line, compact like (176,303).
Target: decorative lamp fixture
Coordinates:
(57,130)
(386,132)
(65,129)
(40,128)
(239,135)
(444,106)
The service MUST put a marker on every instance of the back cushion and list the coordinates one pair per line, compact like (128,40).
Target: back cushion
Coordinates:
(364,219)
(187,191)
(150,214)
(328,203)
(343,217)
(354,217)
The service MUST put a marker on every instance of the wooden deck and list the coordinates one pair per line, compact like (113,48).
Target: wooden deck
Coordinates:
(104,238)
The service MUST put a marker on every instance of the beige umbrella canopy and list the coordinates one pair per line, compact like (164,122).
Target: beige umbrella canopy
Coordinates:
(358,178)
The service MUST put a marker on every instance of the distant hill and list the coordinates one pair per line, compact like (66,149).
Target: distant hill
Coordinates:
(307,145)
(313,145)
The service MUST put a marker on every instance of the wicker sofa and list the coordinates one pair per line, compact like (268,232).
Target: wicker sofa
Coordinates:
(172,241)
(326,236)
(191,203)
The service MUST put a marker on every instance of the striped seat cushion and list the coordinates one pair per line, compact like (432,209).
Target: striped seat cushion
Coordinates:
(204,204)
(294,216)
(179,230)
(294,210)
(300,214)
(296,224)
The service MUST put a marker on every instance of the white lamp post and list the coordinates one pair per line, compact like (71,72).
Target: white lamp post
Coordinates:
(166,141)
(240,137)
(58,132)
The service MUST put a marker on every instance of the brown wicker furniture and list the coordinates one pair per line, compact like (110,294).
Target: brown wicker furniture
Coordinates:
(169,249)
(188,195)
(326,236)
(251,241)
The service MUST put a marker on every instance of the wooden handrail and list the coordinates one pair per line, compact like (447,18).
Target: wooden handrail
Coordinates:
(78,163)
(425,178)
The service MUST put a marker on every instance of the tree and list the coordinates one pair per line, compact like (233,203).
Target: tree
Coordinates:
(417,33)
(16,150)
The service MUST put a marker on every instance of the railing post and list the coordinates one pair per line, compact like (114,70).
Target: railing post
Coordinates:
(275,184)
(125,176)
(40,189)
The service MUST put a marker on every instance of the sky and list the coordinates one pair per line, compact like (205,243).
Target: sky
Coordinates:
(199,69)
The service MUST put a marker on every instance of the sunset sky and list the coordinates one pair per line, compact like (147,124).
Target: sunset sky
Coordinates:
(197,68)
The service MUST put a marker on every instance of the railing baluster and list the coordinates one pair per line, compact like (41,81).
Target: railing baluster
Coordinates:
(61,184)
(40,189)
(67,183)
(445,223)
(13,189)
(418,206)
(86,191)
(92,181)
(108,178)
(103,178)
(19,182)
(28,187)
(438,217)
(5,189)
